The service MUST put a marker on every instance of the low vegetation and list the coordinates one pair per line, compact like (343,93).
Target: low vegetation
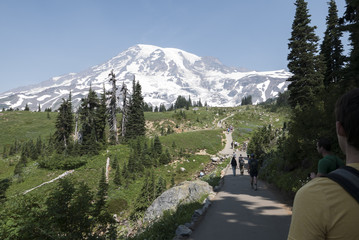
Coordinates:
(189,148)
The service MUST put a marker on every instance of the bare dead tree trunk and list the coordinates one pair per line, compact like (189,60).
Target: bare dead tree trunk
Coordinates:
(124,109)
(113,120)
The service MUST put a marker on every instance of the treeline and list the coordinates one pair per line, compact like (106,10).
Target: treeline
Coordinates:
(321,73)
(181,102)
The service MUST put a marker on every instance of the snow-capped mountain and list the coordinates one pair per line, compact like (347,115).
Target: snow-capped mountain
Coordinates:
(163,73)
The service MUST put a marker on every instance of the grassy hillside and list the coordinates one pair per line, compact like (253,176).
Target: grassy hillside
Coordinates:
(190,132)
(23,125)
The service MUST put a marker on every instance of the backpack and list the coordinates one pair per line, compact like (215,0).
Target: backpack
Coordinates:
(241,162)
(234,162)
(254,164)
(348,178)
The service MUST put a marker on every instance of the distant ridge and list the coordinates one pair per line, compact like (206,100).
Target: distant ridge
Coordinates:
(164,73)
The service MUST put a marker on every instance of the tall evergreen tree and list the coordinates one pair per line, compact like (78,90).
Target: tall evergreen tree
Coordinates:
(303,62)
(80,209)
(93,123)
(117,178)
(157,147)
(351,21)
(102,118)
(162,108)
(305,91)
(26,107)
(136,118)
(58,208)
(332,47)
(100,212)
(160,187)
(247,100)
(64,124)
(4,185)
(147,194)
(21,164)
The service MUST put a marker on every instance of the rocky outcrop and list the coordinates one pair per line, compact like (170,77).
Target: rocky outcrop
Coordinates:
(186,192)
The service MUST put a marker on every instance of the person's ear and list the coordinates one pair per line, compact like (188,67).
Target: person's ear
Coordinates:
(340,129)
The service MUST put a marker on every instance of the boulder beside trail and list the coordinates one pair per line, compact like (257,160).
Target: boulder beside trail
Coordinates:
(185,192)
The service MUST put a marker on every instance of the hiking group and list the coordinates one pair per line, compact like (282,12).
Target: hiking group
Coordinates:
(327,207)
(252,167)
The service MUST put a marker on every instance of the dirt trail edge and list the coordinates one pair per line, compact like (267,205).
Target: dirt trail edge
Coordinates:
(237,211)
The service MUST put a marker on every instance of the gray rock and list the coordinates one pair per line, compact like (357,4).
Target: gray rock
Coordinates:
(183,231)
(186,192)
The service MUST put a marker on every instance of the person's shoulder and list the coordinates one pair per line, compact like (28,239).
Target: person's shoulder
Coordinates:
(318,188)
(316,185)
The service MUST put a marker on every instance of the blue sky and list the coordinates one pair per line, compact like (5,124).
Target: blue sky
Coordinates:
(41,39)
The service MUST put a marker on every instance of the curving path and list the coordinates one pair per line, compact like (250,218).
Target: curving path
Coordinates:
(238,212)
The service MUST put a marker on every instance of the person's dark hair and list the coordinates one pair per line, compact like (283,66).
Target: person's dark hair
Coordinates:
(347,113)
(325,143)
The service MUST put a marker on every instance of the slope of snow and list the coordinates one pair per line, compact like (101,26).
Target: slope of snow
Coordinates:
(164,74)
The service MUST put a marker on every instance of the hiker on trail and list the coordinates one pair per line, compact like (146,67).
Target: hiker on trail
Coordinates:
(329,162)
(322,208)
(253,170)
(232,144)
(234,163)
(241,164)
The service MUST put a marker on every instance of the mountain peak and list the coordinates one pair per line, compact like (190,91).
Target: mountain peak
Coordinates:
(164,74)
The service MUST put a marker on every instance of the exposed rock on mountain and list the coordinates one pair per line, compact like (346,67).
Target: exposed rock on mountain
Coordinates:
(164,74)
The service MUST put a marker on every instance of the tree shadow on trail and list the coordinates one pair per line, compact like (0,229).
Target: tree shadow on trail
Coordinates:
(240,212)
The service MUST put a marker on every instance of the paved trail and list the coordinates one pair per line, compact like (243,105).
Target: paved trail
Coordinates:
(238,212)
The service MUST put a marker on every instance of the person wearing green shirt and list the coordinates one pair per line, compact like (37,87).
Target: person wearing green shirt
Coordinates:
(329,162)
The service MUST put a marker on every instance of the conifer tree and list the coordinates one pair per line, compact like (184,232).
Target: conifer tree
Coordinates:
(165,157)
(350,23)
(117,178)
(125,175)
(4,153)
(68,211)
(157,147)
(26,107)
(58,207)
(147,194)
(124,110)
(39,145)
(21,164)
(136,119)
(131,165)
(64,124)
(247,100)
(162,108)
(102,118)
(80,209)
(200,103)
(100,212)
(114,163)
(332,47)
(303,63)
(92,125)
(4,185)
(160,187)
